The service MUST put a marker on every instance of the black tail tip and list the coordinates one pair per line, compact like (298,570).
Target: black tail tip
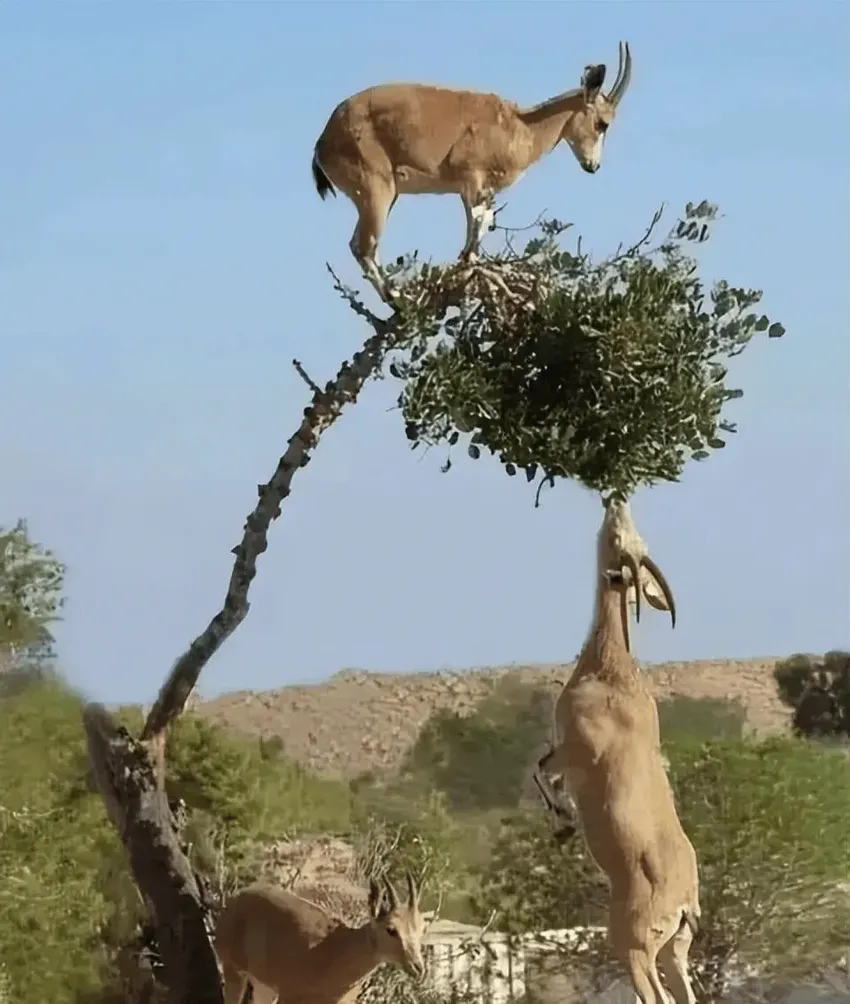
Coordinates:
(321,181)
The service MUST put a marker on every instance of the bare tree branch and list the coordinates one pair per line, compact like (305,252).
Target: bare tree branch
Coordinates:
(324,409)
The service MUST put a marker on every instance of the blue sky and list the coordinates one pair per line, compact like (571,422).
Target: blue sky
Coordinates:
(162,259)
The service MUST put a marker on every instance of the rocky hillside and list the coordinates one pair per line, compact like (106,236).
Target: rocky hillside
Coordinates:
(359,721)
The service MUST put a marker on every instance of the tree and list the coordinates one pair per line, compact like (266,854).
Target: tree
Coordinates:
(31,580)
(610,373)
(818,689)
(768,820)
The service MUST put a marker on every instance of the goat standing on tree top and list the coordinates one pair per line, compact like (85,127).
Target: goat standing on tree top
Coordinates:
(292,952)
(608,754)
(416,139)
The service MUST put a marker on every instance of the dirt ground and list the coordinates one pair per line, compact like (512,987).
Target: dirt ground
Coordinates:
(359,721)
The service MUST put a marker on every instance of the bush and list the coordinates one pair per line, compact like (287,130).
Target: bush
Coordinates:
(481,760)
(818,689)
(698,719)
(769,823)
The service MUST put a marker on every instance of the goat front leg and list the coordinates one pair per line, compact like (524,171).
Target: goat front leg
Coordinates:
(673,960)
(567,815)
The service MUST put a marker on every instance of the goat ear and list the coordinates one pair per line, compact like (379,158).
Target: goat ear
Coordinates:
(376,899)
(592,80)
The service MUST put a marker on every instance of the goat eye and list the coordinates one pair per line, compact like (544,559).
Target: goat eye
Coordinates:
(603,126)
(392,932)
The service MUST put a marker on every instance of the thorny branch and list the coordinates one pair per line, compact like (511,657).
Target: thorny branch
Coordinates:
(324,409)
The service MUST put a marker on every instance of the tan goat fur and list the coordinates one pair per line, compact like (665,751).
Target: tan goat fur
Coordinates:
(293,952)
(398,139)
(607,753)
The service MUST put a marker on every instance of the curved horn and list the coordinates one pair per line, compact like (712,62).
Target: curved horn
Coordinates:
(624,76)
(665,588)
(392,895)
(630,562)
(624,613)
(412,891)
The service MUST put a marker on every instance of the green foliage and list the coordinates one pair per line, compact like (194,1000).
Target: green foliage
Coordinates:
(66,897)
(54,845)
(769,823)
(534,883)
(31,581)
(612,373)
(698,719)
(481,760)
(249,794)
(818,689)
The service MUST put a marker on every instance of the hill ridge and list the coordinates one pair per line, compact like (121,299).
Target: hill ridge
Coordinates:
(360,720)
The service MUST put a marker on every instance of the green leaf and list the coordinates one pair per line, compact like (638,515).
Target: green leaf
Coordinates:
(716,444)
(776,330)
(510,470)
(473,451)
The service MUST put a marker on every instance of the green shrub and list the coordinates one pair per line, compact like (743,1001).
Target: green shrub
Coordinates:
(481,760)
(698,719)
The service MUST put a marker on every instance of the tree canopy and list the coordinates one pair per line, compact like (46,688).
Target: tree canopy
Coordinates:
(31,580)
(611,372)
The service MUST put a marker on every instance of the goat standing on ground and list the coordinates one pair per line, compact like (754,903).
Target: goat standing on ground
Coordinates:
(399,139)
(293,952)
(607,752)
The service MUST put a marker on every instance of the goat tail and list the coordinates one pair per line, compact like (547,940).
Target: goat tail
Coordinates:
(321,180)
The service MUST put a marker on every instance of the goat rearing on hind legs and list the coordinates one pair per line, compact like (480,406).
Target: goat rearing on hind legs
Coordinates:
(417,139)
(607,752)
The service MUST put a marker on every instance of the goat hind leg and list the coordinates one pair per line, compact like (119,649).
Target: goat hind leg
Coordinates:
(673,960)
(373,208)
(237,988)
(645,978)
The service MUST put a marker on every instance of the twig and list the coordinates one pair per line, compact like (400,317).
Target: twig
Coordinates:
(299,369)
(547,479)
(633,249)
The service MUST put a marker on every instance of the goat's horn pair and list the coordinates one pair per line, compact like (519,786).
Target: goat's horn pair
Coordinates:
(624,75)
